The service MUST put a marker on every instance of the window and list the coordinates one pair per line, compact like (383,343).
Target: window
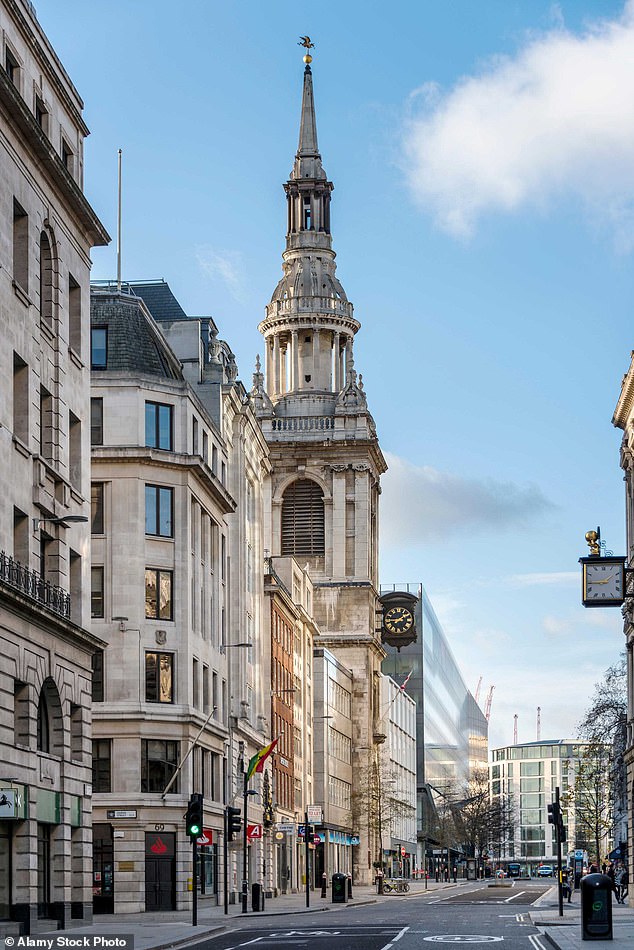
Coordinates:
(159,511)
(12,67)
(98,347)
(46,424)
(158,594)
(43,725)
(97,677)
(101,765)
(21,712)
(46,279)
(159,761)
(67,156)
(20,246)
(96,421)
(194,436)
(20,399)
(96,592)
(74,314)
(158,426)
(303,519)
(74,450)
(96,508)
(41,114)
(159,678)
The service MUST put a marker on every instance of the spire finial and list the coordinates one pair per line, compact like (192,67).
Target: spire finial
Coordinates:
(305,42)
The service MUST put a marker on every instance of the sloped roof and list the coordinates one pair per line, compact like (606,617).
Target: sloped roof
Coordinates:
(159,299)
(135,343)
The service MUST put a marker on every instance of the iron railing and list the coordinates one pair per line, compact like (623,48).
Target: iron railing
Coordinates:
(33,585)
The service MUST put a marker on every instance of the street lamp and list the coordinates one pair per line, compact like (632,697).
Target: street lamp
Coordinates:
(63,521)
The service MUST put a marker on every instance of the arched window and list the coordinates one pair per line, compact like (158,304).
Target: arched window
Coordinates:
(46,279)
(50,723)
(303,519)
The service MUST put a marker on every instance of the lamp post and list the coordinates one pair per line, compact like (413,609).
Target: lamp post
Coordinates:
(63,521)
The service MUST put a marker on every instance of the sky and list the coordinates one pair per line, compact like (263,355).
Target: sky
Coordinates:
(483,219)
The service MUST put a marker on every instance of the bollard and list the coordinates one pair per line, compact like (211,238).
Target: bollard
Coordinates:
(379,882)
(349,887)
(324,884)
(596,907)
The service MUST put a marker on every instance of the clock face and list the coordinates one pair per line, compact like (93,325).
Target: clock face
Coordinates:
(604,582)
(398,620)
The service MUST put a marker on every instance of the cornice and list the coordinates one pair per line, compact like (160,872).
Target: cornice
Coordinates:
(626,398)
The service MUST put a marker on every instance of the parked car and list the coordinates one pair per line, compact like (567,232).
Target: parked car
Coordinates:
(544,870)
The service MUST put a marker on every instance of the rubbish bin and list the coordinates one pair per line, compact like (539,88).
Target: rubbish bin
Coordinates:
(596,907)
(339,889)
(257,897)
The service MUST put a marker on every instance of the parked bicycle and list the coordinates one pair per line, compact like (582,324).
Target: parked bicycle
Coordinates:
(395,886)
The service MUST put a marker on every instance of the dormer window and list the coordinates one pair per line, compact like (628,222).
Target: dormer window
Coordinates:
(307,215)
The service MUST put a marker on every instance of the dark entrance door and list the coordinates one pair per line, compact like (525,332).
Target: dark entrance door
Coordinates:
(102,870)
(160,871)
(43,870)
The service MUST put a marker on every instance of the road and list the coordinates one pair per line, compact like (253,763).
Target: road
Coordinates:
(474,914)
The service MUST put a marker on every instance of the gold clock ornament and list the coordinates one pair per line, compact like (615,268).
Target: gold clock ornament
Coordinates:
(398,620)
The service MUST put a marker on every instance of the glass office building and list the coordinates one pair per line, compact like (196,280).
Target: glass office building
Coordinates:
(451,729)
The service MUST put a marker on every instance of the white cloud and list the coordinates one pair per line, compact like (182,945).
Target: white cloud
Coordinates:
(555,120)
(420,503)
(555,578)
(223,266)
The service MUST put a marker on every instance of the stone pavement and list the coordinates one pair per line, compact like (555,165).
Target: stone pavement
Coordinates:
(564,932)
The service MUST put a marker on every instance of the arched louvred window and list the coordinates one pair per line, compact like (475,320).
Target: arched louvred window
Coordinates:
(46,279)
(50,722)
(303,519)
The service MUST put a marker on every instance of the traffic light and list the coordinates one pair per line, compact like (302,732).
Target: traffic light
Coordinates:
(194,816)
(554,814)
(234,822)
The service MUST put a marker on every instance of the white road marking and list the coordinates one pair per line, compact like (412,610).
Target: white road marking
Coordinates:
(394,939)
(535,942)
(463,938)
(513,896)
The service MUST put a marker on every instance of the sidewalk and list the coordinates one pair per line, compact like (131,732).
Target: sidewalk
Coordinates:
(159,931)
(564,932)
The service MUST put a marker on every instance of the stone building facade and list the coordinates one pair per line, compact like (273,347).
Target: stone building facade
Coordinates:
(324,451)
(47,229)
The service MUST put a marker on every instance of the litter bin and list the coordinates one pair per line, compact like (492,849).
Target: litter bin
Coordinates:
(339,889)
(596,907)
(257,897)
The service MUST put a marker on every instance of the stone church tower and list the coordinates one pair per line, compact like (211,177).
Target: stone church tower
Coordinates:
(326,465)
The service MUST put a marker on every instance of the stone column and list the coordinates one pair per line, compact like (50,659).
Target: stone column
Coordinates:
(362,523)
(274,382)
(339,521)
(295,361)
(316,374)
(337,362)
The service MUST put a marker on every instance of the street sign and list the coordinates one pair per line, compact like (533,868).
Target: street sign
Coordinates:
(7,803)
(315,814)
(402,850)
(254,831)
(122,813)
(286,826)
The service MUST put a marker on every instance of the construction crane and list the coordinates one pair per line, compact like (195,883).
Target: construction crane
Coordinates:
(487,706)
(477,692)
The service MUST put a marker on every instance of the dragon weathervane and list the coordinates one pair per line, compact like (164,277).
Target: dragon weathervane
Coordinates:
(306,43)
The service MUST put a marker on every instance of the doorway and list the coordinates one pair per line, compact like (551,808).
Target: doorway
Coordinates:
(160,871)
(102,870)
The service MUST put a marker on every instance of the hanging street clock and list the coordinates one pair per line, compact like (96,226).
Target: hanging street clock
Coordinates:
(603,577)
(398,618)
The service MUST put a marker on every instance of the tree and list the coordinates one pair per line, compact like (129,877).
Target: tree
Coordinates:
(378,802)
(599,795)
(484,821)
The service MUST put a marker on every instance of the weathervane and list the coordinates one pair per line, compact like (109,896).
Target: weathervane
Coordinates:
(306,43)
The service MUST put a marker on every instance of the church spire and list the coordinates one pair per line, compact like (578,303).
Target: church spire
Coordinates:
(308,160)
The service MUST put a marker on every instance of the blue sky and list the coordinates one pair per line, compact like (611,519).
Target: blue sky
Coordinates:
(483,218)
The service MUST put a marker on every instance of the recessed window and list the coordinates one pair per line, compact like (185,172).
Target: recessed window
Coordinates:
(46,424)
(96,592)
(158,426)
(159,677)
(97,677)
(67,156)
(12,67)
(41,114)
(96,421)
(96,508)
(101,765)
(20,246)
(303,519)
(98,347)
(159,511)
(20,399)
(158,594)
(74,314)
(74,450)
(159,761)
(46,279)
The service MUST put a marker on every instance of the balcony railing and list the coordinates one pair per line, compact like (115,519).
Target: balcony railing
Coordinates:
(302,423)
(34,586)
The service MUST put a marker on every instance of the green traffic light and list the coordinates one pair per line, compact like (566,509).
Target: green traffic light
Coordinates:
(194,829)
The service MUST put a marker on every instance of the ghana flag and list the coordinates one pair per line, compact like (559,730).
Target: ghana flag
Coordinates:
(256,762)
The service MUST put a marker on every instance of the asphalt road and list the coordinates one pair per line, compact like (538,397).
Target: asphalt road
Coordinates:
(474,916)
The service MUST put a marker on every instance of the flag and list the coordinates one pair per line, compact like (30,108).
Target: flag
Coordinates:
(256,762)
(406,681)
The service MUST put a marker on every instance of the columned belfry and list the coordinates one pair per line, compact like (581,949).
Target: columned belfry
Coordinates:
(326,466)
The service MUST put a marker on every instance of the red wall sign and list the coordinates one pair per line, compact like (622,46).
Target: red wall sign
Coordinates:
(254,831)
(206,837)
